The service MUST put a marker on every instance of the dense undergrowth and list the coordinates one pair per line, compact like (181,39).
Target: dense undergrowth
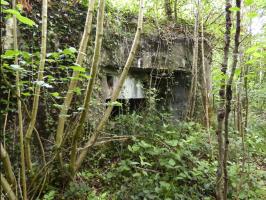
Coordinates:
(165,159)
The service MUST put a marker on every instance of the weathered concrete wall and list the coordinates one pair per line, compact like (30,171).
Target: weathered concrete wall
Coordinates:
(153,53)
(161,64)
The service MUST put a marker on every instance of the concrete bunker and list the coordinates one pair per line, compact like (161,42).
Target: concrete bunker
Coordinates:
(161,64)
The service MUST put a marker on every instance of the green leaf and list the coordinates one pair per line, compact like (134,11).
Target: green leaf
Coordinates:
(21,18)
(237,72)
(252,15)
(26,94)
(248,2)
(77,90)
(115,103)
(16,67)
(70,51)
(5,3)
(43,84)
(171,162)
(55,94)
(172,143)
(165,185)
(133,148)
(78,68)
(11,53)
(85,76)
(234,9)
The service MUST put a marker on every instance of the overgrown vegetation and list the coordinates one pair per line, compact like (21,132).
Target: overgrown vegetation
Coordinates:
(62,139)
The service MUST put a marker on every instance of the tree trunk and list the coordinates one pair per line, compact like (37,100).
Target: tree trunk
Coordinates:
(7,188)
(205,85)
(116,91)
(37,87)
(8,167)
(93,74)
(168,9)
(74,80)
(221,110)
(194,69)
(20,119)
(229,97)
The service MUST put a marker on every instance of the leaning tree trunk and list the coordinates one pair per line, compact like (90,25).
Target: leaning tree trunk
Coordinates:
(8,167)
(7,188)
(229,97)
(37,87)
(221,110)
(20,119)
(74,79)
(116,91)
(93,74)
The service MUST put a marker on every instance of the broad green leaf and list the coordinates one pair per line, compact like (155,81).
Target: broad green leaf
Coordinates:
(55,94)
(11,53)
(72,49)
(26,94)
(16,67)
(248,2)
(5,3)
(78,68)
(234,9)
(115,103)
(21,18)
(252,15)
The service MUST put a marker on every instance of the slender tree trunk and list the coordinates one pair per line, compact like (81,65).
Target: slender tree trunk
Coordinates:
(7,188)
(221,110)
(116,91)
(8,167)
(205,85)
(175,10)
(168,9)
(5,120)
(93,74)
(229,97)
(74,80)
(20,119)
(194,74)
(37,87)
(246,98)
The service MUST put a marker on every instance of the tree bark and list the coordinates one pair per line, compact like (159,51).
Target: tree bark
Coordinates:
(116,91)
(8,167)
(7,188)
(74,80)
(194,69)
(37,87)
(168,9)
(229,97)
(93,74)
(205,85)
(20,117)
(221,110)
